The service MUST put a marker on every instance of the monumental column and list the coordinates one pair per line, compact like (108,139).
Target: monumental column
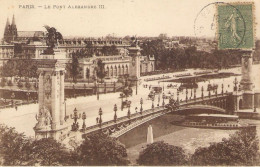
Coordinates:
(51,69)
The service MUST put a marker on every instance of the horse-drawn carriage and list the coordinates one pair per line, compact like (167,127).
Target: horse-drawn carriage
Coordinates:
(126,103)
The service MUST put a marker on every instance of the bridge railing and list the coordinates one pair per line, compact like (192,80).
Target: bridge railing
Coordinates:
(121,120)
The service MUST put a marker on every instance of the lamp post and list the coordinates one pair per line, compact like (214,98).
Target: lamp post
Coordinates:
(121,96)
(153,103)
(84,118)
(178,94)
(65,117)
(216,91)
(235,83)
(141,109)
(209,90)
(202,95)
(159,96)
(129,113)
(115,110)
(163,103)
(186,95)
(222,89)
(75,125)
(28,94)
(195,93)
(12,97)
(100,112)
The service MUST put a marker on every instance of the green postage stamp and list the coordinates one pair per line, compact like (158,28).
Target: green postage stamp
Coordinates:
(235,26)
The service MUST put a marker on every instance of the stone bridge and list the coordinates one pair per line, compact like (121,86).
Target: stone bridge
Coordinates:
(222,103)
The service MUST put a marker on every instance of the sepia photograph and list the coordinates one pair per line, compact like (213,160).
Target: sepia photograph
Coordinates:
(129,83)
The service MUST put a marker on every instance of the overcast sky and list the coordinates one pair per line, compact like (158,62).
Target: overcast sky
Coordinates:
(121,17)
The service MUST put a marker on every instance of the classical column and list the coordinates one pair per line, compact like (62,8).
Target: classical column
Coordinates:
(40,89)
(62,103)
(55,102)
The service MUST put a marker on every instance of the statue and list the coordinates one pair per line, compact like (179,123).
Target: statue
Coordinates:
(134,42)
(44,118)
(52,39)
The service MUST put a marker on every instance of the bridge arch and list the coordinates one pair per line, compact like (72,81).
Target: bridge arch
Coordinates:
(199,109)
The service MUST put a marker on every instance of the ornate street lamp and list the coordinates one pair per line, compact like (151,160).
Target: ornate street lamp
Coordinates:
(100,112)
(141,109)
(222,89)
(12,97)
(84,118)
(235,83)
(158,100)
(195,93)
(178,94)
(129,113)
(28,94)
(202,95)
(65,117)
(186,95)
(121,96)
(209,90)
(163,103)
(216,91)
(115,110)
(153,103)
(75,125)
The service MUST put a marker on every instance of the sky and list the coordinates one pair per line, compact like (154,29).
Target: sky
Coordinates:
(119,17)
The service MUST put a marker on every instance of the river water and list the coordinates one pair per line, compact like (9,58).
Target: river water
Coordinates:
(187,138)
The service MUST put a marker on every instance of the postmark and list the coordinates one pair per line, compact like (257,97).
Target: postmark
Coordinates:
(235,26)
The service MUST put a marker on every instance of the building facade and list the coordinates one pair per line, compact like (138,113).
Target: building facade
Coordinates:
(31,45)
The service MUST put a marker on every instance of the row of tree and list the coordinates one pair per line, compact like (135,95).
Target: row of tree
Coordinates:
(19,67)
(18,150)
(240,148)
(190,57)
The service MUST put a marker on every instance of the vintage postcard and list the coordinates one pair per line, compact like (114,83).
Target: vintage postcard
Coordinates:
(129,83)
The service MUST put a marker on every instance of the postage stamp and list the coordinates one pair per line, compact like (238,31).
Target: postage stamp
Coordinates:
(235,26)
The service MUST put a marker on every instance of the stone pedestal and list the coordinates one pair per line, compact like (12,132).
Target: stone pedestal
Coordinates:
(135,54)
(257,99)
(51,99)
(248,100)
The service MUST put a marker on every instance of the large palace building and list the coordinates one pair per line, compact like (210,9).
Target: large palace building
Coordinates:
(31,44)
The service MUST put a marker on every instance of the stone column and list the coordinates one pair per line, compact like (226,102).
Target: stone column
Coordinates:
(40,90)
(247,80)
(62,103)
(55,102)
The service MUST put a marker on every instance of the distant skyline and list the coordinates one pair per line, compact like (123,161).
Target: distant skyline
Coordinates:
(120,17)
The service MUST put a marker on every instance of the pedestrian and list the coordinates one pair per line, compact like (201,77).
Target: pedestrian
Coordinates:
(97,119)
(136,109)
(16,107)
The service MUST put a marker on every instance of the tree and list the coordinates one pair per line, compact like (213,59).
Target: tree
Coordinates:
(74,69)
(14,147)
(240,149)
(160,153)
(100,70)
(48,151)
(101,150)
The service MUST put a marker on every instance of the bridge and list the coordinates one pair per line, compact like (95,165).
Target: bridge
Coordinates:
(219,103)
